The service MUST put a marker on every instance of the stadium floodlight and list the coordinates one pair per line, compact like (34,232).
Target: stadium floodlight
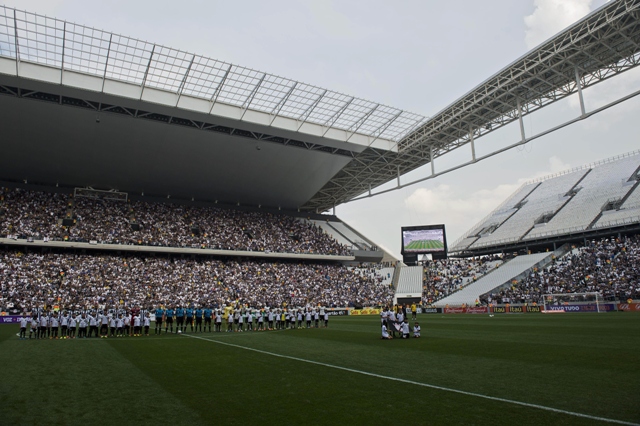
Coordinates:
(573,302)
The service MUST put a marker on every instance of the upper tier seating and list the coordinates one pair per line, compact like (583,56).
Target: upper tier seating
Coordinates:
(39,215)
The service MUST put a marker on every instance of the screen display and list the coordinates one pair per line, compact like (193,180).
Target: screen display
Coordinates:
(424,239)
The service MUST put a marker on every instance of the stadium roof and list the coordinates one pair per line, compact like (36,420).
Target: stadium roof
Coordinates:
(133,68)
(232,130)
(602,45)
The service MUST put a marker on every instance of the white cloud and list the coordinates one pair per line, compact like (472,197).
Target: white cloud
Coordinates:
(551,17)
(555,165)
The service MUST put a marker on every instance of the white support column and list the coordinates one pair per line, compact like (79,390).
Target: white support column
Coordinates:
(398,176)
(433,167)
(522,134)
(473,146)
(582,109)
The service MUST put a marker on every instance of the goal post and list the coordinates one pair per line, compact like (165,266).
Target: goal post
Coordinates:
(573,302)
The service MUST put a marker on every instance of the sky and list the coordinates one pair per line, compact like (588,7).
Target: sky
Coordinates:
(418,56)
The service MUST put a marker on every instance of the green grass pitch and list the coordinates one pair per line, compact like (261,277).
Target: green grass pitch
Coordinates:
(424,245)
(582,363)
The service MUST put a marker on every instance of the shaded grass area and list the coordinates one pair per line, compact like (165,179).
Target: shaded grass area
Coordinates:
(586,363)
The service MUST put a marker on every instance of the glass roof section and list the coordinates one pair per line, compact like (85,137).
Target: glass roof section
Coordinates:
(29,37)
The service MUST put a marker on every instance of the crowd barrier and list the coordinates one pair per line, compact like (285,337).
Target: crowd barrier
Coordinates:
(521,309)
(517,309)
(337,311)
(629,307)
(365,311)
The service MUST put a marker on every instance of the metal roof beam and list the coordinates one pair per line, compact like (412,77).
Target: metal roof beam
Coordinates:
(146,72)
(184,80)
(335,116)
(309,110)
(214,97)
(249,99)
(276,110)
(361,121)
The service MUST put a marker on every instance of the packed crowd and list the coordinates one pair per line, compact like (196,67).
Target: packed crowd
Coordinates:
(443,277)
(607,266)
(31,214)
(38,279)
(25,214)
(105,221)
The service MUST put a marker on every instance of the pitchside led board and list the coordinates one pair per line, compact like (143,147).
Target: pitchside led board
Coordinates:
(426,239)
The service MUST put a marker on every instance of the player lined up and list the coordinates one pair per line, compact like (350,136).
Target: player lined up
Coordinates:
(68,325)
(238,320)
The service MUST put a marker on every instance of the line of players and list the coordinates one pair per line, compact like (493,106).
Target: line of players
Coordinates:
(238,320)
(395,321)
(68,325)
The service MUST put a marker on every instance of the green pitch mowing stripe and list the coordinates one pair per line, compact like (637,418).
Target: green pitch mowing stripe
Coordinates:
(350,370)
(84,382)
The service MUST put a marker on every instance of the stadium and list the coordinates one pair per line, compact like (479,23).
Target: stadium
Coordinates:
(144,186)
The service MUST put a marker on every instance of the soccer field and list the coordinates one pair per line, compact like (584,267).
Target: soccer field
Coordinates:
(509,369)
(424,245)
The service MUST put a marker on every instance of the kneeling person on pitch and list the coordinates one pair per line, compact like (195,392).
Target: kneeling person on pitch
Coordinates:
(385,333)
(405,329)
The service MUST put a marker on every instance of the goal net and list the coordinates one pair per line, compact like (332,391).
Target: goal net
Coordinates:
(573,302)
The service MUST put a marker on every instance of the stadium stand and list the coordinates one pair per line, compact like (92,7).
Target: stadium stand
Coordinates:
(628,211)
(30,213)
(384,275)
(38,279)
(344,234)
(545,199)
(605,182)
(387,275)
(505,273)
(608,266)
(410,281)
(100,220)
(443,277)
(329,230)
(356,239)
(40,214)
(494,219)
(599,195)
